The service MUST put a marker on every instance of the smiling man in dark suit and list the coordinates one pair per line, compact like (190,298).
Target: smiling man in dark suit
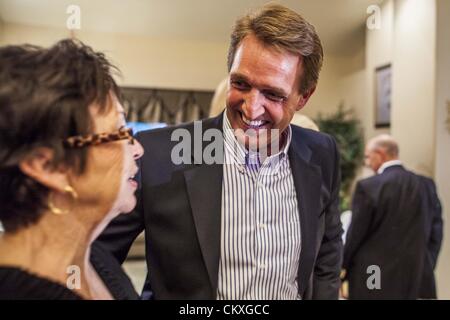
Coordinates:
(262,222)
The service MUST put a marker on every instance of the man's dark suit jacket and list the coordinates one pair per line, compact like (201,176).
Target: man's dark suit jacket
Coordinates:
(387,230)
(179,206)
(433,238)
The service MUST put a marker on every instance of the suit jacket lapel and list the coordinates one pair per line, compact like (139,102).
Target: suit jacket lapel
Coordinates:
(204,188)
(307,181)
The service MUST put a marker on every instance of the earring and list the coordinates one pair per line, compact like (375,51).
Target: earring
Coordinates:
(55,210)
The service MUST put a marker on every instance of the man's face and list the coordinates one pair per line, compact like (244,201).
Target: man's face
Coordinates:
(263,90)
(373,158)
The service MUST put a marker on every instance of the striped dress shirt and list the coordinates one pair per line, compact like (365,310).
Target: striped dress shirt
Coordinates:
(260,226)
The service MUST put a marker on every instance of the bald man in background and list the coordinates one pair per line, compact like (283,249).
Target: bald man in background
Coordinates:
(386,248)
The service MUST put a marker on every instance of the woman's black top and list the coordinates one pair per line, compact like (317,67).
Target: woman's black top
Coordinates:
(18,284)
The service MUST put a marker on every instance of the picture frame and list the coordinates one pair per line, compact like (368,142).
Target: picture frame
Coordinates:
(383,89)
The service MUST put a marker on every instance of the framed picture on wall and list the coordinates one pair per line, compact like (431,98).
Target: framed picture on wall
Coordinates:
(383,84)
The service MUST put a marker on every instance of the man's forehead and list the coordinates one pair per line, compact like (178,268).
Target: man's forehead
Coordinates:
(254,46)
(267,61)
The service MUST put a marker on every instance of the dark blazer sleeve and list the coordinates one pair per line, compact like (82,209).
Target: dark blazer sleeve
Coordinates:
(362,212)
(120,234)
(112,274)
(326,281)
(435,237)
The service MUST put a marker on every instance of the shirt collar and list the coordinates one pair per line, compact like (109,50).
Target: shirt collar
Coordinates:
(241,154)
(388,164)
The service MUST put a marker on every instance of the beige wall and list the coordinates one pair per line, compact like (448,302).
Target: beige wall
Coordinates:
(143,61)
(326,97)
(413,93)
(443,140)
(350,80)
(339,83)
(407,41)
(379,52)
(1,30)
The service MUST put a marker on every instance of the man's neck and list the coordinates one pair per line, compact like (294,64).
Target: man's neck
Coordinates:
(387,164)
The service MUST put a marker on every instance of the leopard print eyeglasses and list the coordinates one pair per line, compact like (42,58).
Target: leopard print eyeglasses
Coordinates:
(99,138)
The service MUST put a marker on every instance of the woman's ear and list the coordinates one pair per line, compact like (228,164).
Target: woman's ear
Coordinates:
(37,165)
(304,97)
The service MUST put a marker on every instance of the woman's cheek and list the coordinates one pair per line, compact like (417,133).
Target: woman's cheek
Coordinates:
(126,200)
(109,172)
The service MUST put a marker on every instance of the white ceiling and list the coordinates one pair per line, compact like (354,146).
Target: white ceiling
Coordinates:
(339,22)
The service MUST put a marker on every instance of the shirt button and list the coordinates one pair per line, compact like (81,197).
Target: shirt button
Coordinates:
(262,266)
(262,225)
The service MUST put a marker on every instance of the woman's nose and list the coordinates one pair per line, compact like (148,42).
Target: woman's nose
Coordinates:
(138,150)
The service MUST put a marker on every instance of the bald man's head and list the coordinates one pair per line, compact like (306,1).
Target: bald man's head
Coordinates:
(380,149)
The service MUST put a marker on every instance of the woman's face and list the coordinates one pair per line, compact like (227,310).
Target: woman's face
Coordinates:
(108,183)
(126,199)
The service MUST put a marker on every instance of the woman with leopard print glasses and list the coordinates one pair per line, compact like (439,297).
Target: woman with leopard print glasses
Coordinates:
(67,167)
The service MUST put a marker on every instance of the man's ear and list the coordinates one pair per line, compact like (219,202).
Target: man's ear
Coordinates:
(37,165)
(304,97)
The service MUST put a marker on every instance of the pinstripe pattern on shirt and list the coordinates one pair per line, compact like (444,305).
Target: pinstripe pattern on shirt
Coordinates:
(260,233)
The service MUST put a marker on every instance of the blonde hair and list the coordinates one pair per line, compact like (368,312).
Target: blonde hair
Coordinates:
(219,99)
(303,121)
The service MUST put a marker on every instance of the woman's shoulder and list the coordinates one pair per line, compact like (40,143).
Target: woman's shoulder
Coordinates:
(18,284)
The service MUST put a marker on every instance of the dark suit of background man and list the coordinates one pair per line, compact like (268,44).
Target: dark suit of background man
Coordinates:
(433,237)
(259,228)
(389,229)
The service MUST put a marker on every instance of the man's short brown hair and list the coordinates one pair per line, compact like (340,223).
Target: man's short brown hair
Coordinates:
(284,29)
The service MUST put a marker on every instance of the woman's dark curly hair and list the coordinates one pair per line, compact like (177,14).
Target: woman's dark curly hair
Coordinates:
(45,95)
